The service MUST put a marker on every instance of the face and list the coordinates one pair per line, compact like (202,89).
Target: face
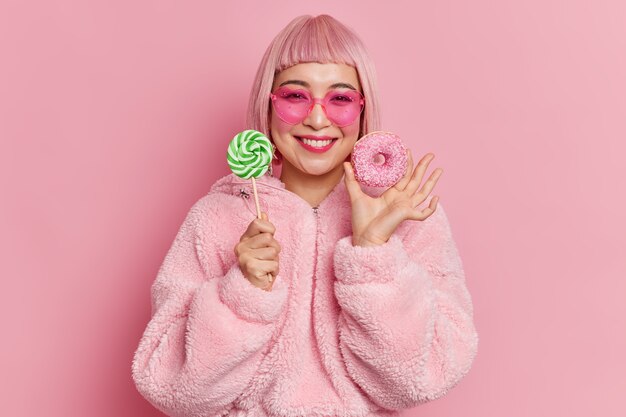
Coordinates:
(298,157)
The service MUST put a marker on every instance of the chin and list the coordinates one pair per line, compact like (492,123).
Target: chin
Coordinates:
(318,170)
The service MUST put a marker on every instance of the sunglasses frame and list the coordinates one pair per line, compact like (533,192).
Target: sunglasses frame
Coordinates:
(314,101)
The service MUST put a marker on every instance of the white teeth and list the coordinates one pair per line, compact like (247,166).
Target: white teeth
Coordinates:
(316,143)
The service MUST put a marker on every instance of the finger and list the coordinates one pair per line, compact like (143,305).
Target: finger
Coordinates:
(261,240)
(270,243)
(274,244)
(267,287)
(267,224)
(265,282)
(418,174)
(402,182)
(264,254)
(418,214)
(262,268)
(352,185)
(258,226)
(268,282)
(419,197)
(273,273)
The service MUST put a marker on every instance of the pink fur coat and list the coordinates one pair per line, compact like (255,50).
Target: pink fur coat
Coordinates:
(346,331)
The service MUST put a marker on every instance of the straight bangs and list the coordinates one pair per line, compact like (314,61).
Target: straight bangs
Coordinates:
(316,41)
(320,39)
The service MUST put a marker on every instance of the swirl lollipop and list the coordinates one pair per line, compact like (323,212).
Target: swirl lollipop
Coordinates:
(249,156)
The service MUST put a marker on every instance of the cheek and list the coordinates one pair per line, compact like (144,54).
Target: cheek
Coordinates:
(351,131)
(352,134)
(278,130)
(278,126)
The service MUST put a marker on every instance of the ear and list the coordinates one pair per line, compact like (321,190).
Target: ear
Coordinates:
(277,156)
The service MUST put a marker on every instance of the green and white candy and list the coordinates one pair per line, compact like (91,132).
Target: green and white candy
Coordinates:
(250,154)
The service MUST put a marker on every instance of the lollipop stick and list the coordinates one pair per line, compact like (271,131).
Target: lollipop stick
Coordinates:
(256,199)
(258,213)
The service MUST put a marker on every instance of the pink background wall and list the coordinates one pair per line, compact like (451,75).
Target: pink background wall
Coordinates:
(115,117)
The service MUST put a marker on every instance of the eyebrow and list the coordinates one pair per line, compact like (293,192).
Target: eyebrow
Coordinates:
(307,85)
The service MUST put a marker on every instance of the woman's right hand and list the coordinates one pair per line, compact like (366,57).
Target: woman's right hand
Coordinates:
(257,253)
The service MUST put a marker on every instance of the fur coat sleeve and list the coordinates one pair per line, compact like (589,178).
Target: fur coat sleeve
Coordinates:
(202,310)
(406,330)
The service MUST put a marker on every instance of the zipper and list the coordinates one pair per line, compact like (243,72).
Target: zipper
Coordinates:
(317,226)
(314,283)
(314,277)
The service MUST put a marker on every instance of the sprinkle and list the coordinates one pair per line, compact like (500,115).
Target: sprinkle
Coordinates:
(368,148)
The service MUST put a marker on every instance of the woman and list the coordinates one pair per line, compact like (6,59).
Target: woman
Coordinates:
(331,304)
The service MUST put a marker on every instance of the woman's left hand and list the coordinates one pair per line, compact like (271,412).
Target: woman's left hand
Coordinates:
(374,219)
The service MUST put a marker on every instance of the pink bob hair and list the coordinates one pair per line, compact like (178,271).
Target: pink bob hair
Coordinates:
(321,39)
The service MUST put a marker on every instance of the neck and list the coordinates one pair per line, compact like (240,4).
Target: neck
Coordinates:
(311,188)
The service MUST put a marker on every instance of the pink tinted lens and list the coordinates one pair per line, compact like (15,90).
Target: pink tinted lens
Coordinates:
(292,106)
(341,107)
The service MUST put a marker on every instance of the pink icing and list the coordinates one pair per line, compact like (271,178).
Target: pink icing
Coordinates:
(364,155)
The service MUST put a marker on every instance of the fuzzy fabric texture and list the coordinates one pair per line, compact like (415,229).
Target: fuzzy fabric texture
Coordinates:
(346,331)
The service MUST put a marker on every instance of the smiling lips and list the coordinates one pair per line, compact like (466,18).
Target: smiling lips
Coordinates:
(318,144)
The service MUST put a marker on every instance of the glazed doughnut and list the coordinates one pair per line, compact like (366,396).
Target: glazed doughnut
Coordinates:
(366,149)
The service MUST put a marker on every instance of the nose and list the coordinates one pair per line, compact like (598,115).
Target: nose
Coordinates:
(317,118)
